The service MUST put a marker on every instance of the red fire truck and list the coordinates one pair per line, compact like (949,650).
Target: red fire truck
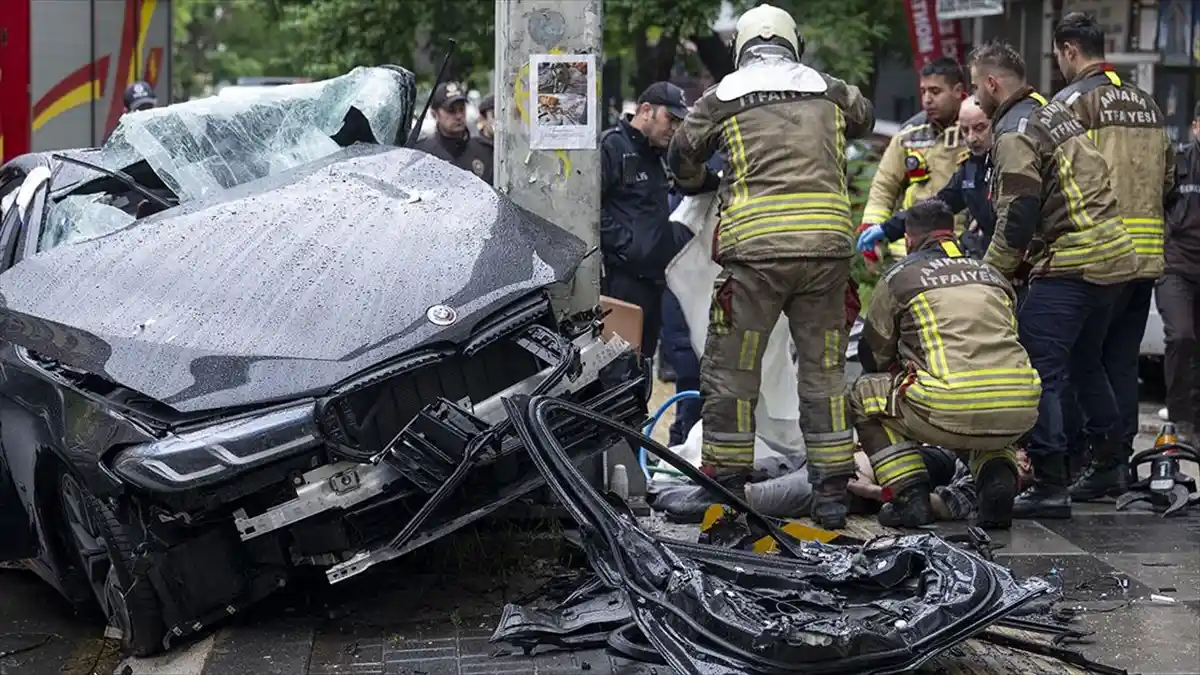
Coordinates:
(64,67)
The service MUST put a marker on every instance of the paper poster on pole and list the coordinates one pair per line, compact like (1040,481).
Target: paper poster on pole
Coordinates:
(563,96)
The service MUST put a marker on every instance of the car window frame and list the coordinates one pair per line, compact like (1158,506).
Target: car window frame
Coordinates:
(35,208)
(11,179)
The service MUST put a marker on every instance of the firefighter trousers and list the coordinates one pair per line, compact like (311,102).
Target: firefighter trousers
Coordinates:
(891,431)
(748,298)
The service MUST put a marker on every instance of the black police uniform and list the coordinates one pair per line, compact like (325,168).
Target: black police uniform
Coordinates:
(637,240)
(967,189)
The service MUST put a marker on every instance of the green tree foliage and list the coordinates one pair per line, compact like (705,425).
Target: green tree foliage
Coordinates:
(221,39)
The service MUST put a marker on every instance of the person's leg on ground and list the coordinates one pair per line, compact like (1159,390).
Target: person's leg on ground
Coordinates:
(896,461)
(1176,299)
(745,306)
(816,313)
(1106,473)
(1049,321)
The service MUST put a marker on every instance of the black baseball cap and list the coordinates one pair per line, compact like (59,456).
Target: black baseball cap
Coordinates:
(447,94)
(139,96)
(667,94)
(488,104)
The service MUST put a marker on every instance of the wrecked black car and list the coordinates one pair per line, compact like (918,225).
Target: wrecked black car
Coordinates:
(249,335)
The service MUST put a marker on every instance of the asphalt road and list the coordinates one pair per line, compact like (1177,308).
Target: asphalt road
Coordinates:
(433,614)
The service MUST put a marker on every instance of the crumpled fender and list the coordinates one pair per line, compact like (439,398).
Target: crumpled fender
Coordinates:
(690,277)
(771,75)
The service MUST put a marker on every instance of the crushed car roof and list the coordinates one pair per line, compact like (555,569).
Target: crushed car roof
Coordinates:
(286,285)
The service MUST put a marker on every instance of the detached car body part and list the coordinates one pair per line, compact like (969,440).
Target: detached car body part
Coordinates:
(885,607)
(278,359)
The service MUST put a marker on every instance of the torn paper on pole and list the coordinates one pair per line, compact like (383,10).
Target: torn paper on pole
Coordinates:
(690,276)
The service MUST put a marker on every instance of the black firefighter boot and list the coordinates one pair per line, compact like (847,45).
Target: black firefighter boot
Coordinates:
(829,509)
(995,488)
(1107,475)
(1048,497)
(910,507)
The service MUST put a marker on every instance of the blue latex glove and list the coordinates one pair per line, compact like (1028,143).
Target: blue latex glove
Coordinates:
(869,238)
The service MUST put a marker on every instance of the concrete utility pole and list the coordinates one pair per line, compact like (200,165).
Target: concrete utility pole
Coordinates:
(562,186)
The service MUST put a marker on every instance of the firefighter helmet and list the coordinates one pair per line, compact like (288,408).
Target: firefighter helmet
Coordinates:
(767,23)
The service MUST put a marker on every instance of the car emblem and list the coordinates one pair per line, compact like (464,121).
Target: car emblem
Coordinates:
(441,315)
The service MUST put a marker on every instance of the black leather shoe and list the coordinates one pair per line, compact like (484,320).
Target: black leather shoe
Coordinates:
(1097,482)
(911,507)
(1043,500)
(996,488)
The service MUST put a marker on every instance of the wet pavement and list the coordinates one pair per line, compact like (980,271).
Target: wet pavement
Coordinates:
(434,616)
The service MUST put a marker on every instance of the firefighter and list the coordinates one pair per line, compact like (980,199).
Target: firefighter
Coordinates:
(967,189)
(785,241)
(1058,225)
(1127,126)
(944,367)
(924,155)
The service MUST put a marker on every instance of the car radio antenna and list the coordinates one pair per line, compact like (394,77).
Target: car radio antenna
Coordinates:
(416,130)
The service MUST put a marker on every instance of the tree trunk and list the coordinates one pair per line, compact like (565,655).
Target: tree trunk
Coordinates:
(714,54)
(654,62)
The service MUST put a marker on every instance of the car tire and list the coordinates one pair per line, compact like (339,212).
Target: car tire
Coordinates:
(131,606)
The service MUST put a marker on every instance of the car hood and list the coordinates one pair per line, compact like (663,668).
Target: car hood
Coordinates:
(287,285)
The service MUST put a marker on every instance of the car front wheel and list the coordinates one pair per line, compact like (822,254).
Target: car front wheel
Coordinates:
(103,548)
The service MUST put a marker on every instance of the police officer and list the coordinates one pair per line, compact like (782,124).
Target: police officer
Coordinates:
(967,189)
(140,96)
(1057,222)
(450,140)
(637,239)
(1178,294)
(1127,126)
(924,155)
(785,241)
(945,367)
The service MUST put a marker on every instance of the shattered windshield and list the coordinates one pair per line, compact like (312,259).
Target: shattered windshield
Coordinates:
(201,147)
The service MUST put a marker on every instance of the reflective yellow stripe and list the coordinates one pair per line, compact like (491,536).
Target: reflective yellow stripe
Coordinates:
(1113,77)
(737,159)
(1038,97)
(831,358)
(1017,398)
(748,358)
(1147,235)
(1076,208)
(898,249)
(931,340)
(745,416)
(782,224)
(837,413)
(873,405)
(951,249)
(893,437)
(980,457)
(986,377)
(876,215)
(892,470)
(737,451)
(826,455)
(799,202)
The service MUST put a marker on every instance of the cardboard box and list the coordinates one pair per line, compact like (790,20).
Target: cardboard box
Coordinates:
(625,320)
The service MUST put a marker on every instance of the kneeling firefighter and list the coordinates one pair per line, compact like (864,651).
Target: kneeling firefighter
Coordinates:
(945,368)
(785,242)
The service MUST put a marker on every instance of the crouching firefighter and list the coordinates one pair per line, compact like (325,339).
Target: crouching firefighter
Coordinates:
(944,367)
(785,242)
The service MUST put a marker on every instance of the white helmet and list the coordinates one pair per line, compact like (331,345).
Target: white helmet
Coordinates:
(765,22)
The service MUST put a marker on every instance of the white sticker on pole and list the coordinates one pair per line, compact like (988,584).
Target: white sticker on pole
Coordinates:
(948,10)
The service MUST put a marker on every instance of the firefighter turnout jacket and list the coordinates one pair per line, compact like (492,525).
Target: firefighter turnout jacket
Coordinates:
(918,162)
(945,325)
(1127,126)
(1055,209)
(784,194)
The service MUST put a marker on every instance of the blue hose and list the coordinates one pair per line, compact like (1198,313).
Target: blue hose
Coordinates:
(649,428)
